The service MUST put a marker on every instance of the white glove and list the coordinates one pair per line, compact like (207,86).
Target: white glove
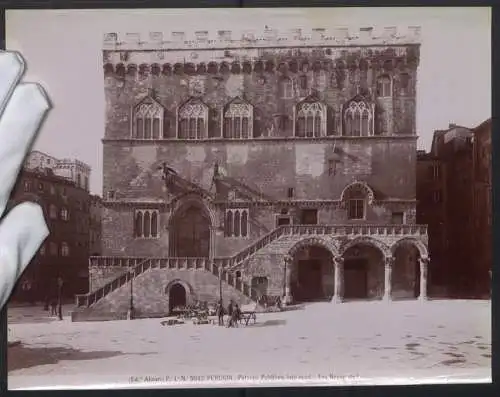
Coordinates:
(22,110)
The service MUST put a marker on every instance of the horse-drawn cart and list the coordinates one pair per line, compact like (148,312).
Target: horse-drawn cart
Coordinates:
(247,317)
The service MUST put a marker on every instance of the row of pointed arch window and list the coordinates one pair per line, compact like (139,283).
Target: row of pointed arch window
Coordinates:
(238,121)
(146,224)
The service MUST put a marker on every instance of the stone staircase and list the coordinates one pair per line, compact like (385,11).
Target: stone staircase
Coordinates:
(228,270)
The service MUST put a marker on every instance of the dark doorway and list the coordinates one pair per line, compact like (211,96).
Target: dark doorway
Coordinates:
(309,281)
(283,220)
(259,287)
(356,278)
(309,217)
(176,297)
(190,236)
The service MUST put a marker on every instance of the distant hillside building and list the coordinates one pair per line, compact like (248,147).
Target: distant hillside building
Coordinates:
(74,170)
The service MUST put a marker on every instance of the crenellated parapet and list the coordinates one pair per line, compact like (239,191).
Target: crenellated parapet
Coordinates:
(198,40)
(293,51)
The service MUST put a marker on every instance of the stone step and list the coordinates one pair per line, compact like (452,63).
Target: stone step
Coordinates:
(150,295)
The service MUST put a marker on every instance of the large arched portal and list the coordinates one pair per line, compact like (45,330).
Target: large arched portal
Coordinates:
(405,271)
(363,272)
(312,274)
(177,297)
(190,233)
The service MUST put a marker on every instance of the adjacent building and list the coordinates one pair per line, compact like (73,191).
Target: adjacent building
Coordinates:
(482,211)
(273,164)
(65,252)
(454,199)
(71,169)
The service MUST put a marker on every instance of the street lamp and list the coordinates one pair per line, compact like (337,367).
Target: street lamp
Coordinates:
(220,283)
(60,283)
(130,313)
(286,287)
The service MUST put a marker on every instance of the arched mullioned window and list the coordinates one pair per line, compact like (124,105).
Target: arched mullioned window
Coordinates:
(358,118)
(193,120)
(236,224)
(238,120)
(146,224)
(310,119)
(148,120)
(384,86)
(356,197)
(286,88)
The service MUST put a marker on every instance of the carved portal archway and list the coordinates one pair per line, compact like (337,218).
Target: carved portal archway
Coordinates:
(190,231)
(358,188)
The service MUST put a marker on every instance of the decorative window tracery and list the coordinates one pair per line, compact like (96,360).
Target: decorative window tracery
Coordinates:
(311,120)
(236,223)
(358,119)
(146,224)
(148,120)
(238,121)
(355,198)
(193,121)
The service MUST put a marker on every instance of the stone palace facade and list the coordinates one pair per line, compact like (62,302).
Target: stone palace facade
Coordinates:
(279,164)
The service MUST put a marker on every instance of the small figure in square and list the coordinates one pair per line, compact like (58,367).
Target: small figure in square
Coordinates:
(236,315)
(53,307)
(230,310)
(220,312)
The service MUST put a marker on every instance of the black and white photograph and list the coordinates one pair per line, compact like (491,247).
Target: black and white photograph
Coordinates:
(257,197)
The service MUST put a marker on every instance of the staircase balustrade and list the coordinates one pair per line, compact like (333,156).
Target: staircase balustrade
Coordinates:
(139,265)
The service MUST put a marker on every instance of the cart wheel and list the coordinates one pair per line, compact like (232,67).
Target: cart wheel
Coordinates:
(254,318)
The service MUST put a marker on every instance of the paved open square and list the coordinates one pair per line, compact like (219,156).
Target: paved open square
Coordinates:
(411,339)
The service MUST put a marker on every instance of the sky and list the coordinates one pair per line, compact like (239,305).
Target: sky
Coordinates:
(63,51)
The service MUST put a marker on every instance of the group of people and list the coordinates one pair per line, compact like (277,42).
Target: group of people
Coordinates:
(233,311)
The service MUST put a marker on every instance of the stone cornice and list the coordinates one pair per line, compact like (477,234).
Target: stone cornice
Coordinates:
(277,204)
(394,137)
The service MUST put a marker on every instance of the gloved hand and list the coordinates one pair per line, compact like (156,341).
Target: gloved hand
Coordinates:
(23,107)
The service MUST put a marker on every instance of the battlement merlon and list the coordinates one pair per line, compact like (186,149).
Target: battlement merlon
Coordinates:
(198,40)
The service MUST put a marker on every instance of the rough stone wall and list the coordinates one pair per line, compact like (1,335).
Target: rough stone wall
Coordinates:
(268,163)
(131,170)
(388,167)
(101,275)
(343,73)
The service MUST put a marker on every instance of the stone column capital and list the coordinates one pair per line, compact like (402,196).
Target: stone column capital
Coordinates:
(338,260)
(389,261)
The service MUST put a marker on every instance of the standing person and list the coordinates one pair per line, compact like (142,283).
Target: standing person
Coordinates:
(236,315)
(230,314)
(220,312)
(59,297)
